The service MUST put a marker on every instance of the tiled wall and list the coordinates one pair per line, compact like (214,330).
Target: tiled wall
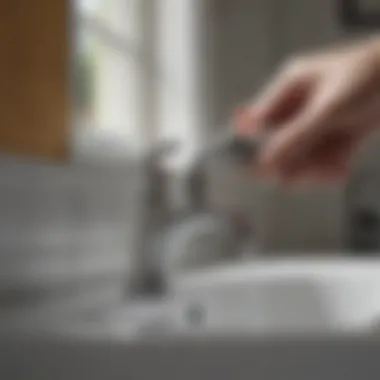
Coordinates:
(63,238)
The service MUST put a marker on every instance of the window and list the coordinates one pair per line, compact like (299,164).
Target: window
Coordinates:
(137,74)
(110,74)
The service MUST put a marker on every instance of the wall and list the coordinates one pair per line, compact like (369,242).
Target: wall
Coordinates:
(252,38)
(63,240)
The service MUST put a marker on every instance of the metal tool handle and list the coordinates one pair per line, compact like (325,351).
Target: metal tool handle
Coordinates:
(244,149)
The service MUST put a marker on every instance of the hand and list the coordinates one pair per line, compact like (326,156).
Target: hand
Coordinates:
(319,108)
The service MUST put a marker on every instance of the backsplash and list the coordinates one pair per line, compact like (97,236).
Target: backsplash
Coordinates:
(61,226)
(285,222)
(65,232)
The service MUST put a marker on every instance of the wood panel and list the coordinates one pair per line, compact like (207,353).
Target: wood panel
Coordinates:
(34,77)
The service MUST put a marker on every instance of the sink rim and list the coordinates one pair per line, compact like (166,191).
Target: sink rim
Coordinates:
(262,270)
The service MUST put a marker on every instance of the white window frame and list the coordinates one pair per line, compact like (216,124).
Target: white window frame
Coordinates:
(171,47)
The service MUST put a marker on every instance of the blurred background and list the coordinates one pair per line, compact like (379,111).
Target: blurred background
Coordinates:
(178,70)
(87,86)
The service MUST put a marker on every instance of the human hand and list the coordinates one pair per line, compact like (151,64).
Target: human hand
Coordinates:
(318,109)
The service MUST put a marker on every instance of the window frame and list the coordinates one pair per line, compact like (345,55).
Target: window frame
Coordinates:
(164,52)
(95,144)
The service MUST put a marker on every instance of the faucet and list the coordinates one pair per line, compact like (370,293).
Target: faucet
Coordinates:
(168,240)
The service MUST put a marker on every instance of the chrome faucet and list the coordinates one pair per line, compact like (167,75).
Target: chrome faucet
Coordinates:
(167,239)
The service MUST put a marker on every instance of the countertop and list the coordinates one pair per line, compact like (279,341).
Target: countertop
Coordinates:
(328,358)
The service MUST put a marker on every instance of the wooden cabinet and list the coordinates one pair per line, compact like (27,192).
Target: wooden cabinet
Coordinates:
(34,78)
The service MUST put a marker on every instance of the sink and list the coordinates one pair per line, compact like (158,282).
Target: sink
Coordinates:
(280,297)
(258,297)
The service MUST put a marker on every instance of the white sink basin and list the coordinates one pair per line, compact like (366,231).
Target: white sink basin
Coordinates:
(265,298)
(280,296)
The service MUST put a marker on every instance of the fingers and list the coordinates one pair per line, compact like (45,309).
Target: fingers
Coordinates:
(318,126)
(280,101)
(310,99)
(328,159)
(289,145)
(284,96)
(366,112)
